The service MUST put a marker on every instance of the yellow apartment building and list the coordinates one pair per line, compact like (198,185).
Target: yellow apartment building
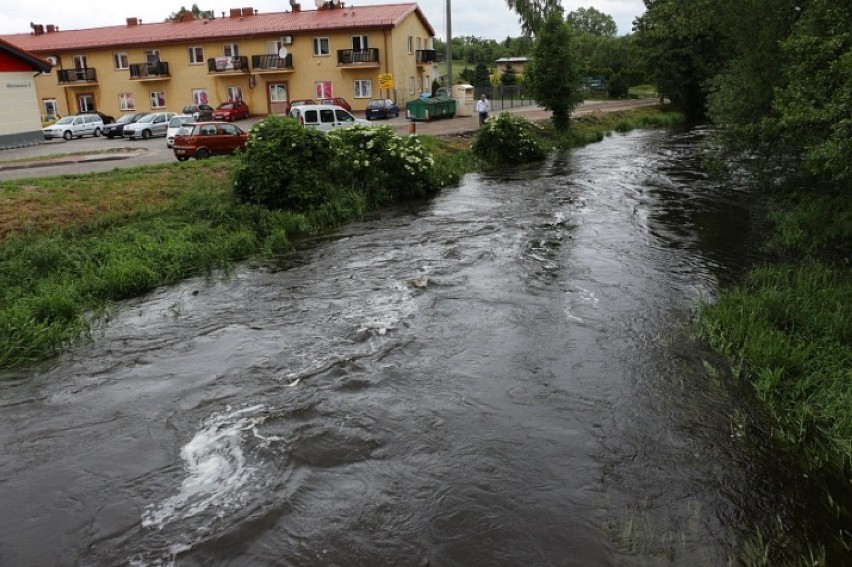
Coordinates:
(266,60)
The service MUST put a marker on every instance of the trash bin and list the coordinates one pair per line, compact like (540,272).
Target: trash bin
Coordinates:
(463,95)
(431,108)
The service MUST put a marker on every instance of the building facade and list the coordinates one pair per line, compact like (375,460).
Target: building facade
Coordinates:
(20,118)
(266,60)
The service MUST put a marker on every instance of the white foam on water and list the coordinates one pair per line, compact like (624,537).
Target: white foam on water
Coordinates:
(218,475)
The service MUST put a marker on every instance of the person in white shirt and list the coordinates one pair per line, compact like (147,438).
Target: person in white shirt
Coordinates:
(483,106)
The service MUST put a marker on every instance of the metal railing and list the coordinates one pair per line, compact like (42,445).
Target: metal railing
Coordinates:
(86,74)
(145,70)
(425,56)
(271,61)
(227,64)
(357,56)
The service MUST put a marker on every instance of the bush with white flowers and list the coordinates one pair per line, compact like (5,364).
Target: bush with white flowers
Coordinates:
(509,139)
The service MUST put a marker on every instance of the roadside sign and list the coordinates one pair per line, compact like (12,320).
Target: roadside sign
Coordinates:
(385,81)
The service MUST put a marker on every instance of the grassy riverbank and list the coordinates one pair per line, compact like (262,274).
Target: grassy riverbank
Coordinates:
(71,246)
(788,327)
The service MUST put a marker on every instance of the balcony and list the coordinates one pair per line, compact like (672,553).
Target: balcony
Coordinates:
(426,56)
(70,77)
(152,72)
(358,58)
(271,63)
(228,65)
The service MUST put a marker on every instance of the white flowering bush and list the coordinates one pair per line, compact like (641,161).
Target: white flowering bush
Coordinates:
(285,166)
(509,139)
(382,165)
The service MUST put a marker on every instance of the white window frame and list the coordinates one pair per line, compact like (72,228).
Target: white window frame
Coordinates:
(318,45)
(419,43)
(273,47)
(362,88)
(360,42)
(200,96)
(126,102)
(120,61)
(157,99)
(410,45)
(323,89)
(49,104)
(196,54)
(275,92)
(86,102)
(234,94)
(231,50)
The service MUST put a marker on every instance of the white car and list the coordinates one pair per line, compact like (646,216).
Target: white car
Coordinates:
(325,117)
(74,127)
(176,123)
(154,124)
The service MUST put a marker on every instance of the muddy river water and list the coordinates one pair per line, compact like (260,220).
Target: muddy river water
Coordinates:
(507,374)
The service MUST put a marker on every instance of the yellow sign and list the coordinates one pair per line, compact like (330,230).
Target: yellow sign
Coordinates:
(385,81)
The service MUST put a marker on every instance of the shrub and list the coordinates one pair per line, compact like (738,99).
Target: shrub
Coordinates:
(285,166)
(509,140)
(381,165)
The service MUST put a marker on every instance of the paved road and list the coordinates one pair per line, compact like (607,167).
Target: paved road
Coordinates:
(71,158)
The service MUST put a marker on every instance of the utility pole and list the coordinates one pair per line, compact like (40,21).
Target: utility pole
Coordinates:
(449,49)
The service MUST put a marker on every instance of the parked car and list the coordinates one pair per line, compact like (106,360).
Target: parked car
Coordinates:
(381,108)
(204,139)
(297,102)
(105,118)
(74,127)
(177,122)
(116,129)
(199,111)
(324,117)
(231,111)
(339,101)
(154,124)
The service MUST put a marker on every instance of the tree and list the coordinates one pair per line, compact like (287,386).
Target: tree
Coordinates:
(194,13)
(555,74)
(509,78)
(481,78)
(592,22)
(533,13)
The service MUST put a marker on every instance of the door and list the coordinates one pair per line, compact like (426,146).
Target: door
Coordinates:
(85,102)
(80,67)
(276,98)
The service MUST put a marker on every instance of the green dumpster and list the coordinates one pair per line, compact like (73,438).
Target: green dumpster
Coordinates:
(430,108)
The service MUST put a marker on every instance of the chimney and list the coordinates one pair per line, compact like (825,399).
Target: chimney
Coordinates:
(38,29)
(247,12)
(132,22)
(294,4)
(236,13)
(51,28)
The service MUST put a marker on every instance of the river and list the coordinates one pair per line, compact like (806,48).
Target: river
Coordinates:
(505,375)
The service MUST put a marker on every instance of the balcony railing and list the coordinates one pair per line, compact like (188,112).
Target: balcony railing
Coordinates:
(358,56)
(425,56)
(271,62)
(146,71)
(228,64)
(85,75)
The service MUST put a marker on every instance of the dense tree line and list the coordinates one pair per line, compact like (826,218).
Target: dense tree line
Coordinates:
(774,75)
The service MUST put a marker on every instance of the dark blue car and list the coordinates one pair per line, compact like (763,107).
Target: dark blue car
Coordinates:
(381,108)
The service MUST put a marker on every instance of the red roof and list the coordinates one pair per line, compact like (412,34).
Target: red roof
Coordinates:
(283,23)
(31,61)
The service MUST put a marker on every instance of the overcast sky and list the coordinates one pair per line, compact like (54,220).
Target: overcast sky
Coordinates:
(488,19)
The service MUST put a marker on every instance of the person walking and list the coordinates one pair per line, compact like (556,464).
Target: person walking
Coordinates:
(483,107)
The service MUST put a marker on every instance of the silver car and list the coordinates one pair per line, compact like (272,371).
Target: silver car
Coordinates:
(154,124)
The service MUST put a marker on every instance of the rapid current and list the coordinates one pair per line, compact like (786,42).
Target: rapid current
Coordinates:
(506,374)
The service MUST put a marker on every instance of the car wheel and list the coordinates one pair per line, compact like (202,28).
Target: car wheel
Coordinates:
(146,134)
(182,158)
(67,135)
(97,132)
(202,153)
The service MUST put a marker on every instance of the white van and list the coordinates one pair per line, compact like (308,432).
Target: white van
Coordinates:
(325,117)
(74,127)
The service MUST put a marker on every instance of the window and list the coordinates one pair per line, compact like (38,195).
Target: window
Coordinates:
(321,46)
(199,96)
(86,103)
(278,93)
(326,115)
(419,43)
(126,101)
(410,44)
(273,47)
(152,57)
(158,99)
(79,61)
(235,93)
(229,129)
(363,88)
(359,42)
(231,50)
(196,55)
(49,105)
(120,61)
(322,89)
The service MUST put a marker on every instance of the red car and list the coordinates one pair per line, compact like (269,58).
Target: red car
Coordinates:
(204,139)
(231,111)
(339,101)
(297,102)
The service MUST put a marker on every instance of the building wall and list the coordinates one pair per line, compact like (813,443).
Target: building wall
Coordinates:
(301,82)
(20,120)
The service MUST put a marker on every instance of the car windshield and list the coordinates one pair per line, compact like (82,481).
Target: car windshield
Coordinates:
(226,106)
(179,121)
(126,118)
(66,120)
(147,118)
